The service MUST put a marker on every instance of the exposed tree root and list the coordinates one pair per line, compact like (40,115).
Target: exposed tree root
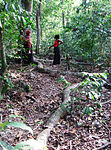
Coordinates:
(42,60)
(41,142)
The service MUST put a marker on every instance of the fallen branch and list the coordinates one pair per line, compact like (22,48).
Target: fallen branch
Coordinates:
(35,59)
(41,69)
(32,98)
(106,102)
(104,146)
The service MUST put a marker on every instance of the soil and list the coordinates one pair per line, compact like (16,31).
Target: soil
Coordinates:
(36,104)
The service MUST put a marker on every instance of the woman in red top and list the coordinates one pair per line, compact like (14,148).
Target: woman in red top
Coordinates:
(27,52)
(56,50)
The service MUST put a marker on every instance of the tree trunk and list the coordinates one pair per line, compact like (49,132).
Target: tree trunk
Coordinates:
(68,12)
(84,5)
(63,15)
(84,2)
(38,26)
(2,51)
(28,5)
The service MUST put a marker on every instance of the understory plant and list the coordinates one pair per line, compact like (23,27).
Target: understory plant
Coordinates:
(6,83)
(7,123)
(86,100)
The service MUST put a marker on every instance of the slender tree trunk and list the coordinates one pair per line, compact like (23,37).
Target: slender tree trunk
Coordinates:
(84,5)
(84,2)
(28,5)
(2,51)
(63,15)
(38,26)
(68,12)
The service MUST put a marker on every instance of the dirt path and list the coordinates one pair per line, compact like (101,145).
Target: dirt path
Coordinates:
(37,105)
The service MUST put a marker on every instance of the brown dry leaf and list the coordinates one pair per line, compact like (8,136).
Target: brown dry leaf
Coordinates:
(73,131)
(61,120)
(20,93)
(58,130)
(16,113)
(71,123)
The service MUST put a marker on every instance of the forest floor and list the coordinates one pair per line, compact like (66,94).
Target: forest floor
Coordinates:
(37,105)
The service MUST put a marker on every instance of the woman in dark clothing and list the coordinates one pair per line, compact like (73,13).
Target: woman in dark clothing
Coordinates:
(27,52)
(56,50)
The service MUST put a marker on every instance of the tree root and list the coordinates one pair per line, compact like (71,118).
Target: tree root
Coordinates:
(41,142)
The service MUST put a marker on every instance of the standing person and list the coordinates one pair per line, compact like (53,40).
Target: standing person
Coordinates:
(56,50)
(27,52)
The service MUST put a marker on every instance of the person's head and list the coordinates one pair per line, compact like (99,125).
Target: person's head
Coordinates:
(28,33)
(56,36)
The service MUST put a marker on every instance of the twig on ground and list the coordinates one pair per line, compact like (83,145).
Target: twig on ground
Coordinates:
(104,146)
(106,102)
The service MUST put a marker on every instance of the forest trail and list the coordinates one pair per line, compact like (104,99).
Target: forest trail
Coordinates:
(37,105)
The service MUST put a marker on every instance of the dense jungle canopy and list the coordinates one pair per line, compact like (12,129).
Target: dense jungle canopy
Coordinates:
(83,25)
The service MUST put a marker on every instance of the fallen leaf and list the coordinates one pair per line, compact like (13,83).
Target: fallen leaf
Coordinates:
(73,131)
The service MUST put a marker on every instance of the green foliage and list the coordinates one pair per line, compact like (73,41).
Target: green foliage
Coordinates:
(91,40)
(21,125)
(20,146)
(6,146)
(62,80)
(13,18)
(6,84)
(93,85)
(15,124)
(16,116)
(87,110)
(88,34)
(89,93)
(23,145)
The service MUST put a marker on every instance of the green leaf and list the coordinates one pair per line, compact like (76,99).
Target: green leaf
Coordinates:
(104,75)
(16,116)
(6,146)
(1,1)
(103,121)
(87,110)
(1,97)
(91,95)
(20,125)
(22,145)
(4,125)
(24,21)
(26,145)
(9,82)
(99,105)
(4,89)
(13,6)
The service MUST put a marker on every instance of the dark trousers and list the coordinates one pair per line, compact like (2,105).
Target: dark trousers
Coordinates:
(56,56)
(26,56)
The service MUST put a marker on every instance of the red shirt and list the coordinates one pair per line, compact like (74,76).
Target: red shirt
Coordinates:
(56,43)
(27,42)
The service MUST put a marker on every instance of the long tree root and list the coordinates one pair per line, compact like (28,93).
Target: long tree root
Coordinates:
(41,142)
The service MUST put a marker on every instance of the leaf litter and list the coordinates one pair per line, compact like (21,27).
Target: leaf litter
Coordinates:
(72,132)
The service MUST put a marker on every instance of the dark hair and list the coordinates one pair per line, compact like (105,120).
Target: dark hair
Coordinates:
(56,36)
(28,32)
